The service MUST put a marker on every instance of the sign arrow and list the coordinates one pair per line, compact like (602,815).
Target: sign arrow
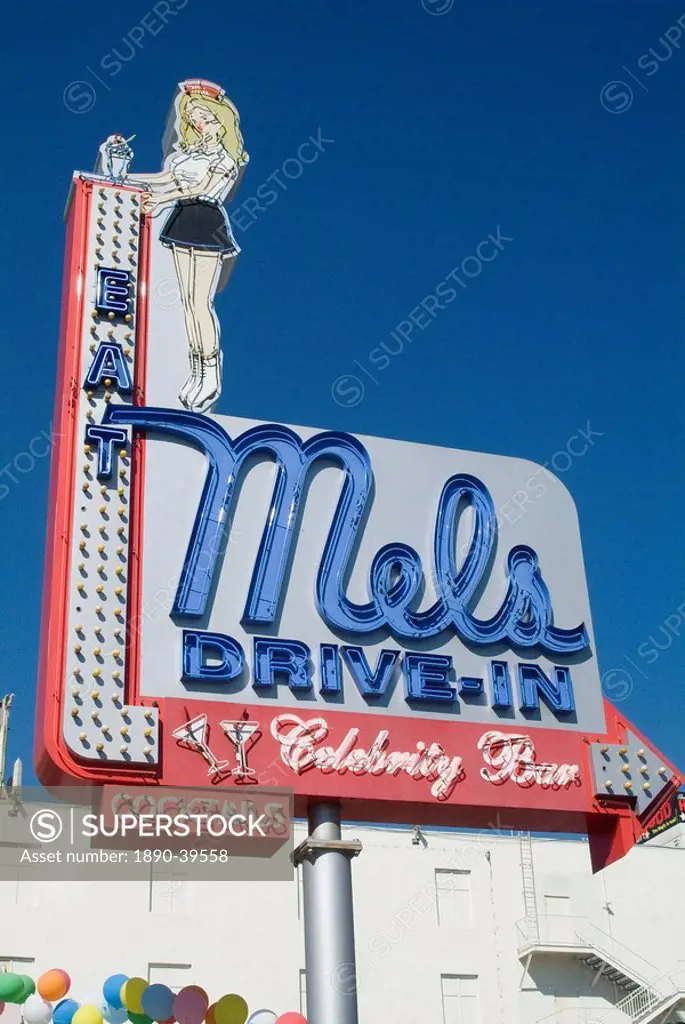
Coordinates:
(629,769)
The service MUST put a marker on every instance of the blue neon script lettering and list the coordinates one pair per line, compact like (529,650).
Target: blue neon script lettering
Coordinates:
(396,578)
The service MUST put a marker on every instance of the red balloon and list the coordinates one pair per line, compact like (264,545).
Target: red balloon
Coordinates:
(291,1018)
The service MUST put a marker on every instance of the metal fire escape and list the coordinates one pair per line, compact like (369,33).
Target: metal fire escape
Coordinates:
(649,998)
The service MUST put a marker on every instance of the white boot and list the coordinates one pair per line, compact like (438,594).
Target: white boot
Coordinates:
(207,394)
(193,379)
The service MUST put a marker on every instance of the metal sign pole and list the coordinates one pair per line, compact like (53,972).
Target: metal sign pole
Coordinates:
(328,918)
(5,705)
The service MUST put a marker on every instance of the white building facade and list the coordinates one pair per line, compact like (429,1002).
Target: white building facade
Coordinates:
(451,928)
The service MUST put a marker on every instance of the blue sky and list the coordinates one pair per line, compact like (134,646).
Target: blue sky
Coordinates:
(550,123)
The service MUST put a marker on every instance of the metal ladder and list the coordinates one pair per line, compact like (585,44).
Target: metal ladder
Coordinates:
(530,901)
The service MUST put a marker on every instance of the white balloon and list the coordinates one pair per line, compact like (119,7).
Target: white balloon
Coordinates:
(262,1017)
(36,1011)
(93,997)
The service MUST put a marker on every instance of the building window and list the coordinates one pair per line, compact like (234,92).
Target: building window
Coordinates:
(303,993)
(558,924)
(453,898)
(459,998)
(300,893)
(169,890)
(557,906)
(15,964)
(174,976)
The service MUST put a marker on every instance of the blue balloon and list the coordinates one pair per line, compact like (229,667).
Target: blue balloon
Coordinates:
(112,988)
(158,1002)
(113,1015)
(64,1011)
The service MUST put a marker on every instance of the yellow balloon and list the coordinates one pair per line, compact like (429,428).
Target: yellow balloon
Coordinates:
(132,993)
(87,1015)
(231,1009)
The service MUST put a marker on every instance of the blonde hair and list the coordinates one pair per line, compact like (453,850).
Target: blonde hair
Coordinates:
(226,114)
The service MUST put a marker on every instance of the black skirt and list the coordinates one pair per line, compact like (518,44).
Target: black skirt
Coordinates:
(199,224)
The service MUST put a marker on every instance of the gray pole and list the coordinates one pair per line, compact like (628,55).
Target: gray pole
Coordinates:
(328,918)
(5,705)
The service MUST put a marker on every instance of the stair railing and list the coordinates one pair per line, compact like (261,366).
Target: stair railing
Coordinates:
(642,1003)
(579,934)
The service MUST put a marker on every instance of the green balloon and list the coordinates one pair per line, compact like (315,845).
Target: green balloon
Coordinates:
(28,989)
(11,988)
(139,1018)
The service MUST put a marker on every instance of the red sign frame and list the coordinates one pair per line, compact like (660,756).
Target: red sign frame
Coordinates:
(538,801)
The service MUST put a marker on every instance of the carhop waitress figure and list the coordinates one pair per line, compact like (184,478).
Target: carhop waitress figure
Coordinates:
(202,172)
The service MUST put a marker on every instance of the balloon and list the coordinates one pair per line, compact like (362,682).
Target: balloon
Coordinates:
(111,990)
(11,988)
(262,1017)
(36,1010)
(291,1018)
(158,1002)
(29,987)
(132,993)
(209,1016)
(198,988)
(230,1009)
(64,1012)
(113,1015)
(139,1018)
(54,985)
(87,1015)
(94,997)
(190,1005)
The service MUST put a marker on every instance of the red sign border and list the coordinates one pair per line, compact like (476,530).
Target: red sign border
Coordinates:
(611,823)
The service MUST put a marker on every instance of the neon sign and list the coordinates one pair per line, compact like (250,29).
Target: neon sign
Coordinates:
(267,604)
(525,616)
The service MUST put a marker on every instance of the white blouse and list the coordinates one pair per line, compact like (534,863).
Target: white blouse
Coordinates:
(192,165)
